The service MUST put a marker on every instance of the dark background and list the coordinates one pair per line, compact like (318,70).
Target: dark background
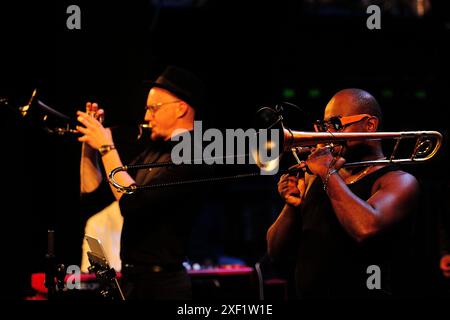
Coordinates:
(250,54)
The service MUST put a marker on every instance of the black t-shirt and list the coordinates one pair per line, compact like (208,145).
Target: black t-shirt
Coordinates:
(331,264)
(157,222)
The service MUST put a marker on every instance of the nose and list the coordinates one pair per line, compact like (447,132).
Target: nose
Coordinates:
(148,116)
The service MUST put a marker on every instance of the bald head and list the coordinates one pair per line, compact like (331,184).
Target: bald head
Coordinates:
(349,102)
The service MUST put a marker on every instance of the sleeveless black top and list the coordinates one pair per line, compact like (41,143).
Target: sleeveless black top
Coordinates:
(331,264)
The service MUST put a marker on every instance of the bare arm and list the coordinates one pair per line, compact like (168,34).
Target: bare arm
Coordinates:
(396,195)
(95,135)
(90,173)
(111,161)
(281,234)
(393,195)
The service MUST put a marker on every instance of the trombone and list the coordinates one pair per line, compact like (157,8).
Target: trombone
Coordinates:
(427,144)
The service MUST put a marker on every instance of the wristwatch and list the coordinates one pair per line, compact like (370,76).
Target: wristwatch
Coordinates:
(104,149)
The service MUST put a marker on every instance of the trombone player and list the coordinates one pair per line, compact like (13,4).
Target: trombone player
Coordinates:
(346,228)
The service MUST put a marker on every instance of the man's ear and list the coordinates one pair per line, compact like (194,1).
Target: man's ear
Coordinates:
(372,124)
(182,109)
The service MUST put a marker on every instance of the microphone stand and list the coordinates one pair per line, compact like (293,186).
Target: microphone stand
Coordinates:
(54,273)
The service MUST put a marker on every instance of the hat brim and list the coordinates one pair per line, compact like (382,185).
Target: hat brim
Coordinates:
(178,93)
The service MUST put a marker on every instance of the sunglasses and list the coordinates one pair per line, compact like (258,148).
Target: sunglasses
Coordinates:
(338,123)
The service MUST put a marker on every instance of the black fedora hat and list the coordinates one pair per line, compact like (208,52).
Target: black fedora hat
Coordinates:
(183,84)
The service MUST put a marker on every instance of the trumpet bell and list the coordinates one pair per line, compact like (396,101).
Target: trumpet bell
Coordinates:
(40,114)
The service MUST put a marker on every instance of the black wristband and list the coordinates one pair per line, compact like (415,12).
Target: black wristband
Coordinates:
(104,149)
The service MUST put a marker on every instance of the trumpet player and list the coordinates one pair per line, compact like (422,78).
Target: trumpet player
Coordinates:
(156,224)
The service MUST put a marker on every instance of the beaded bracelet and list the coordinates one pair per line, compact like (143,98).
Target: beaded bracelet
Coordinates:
(329,173)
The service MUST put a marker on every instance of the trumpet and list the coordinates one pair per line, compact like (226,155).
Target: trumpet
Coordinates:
(55,122)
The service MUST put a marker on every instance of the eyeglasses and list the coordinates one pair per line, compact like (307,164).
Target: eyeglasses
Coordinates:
(338,123)
(152,108)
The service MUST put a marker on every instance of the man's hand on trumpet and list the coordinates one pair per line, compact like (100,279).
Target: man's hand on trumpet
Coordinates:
(94,134)
(93,110)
